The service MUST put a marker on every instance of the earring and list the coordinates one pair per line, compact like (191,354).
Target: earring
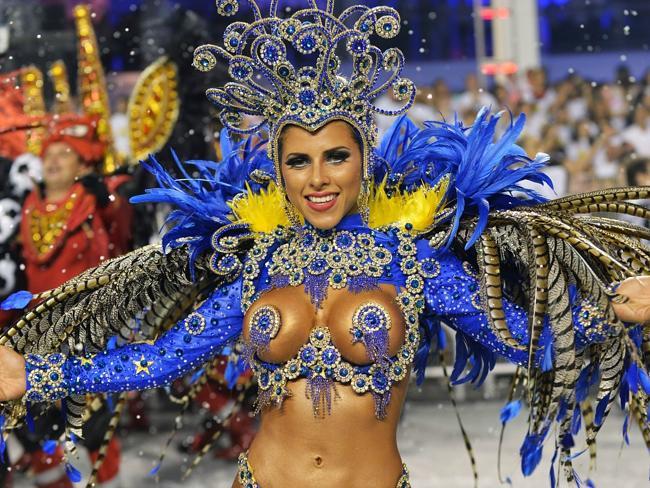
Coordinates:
(292,212)
(363,201)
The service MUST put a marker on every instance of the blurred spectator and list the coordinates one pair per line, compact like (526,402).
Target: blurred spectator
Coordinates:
(474,97)
(637,134)
(592,131)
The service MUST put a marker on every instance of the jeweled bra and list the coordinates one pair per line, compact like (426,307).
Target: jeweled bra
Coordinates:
(338,259)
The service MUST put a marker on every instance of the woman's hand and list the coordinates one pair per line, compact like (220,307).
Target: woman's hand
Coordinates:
(632,300)
(12,375)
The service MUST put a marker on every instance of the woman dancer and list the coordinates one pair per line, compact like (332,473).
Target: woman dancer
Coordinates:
(333,262)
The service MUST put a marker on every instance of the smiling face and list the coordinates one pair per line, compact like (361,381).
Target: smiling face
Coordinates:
(321,172)
(61,165)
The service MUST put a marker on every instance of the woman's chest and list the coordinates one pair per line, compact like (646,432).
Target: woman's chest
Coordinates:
(357,325)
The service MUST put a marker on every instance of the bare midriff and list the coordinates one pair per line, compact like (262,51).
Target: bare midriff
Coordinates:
(348,448)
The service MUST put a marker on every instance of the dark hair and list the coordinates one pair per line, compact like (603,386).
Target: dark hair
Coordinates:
(354,131)
(634,168)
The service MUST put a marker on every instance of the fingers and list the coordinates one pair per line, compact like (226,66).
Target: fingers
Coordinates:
(618,298)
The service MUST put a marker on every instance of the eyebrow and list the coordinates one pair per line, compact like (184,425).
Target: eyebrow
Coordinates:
(327,151)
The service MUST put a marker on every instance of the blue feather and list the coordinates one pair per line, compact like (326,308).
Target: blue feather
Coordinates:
(510,411)
(547,363)
(3,443)
(200,204)
(633,377)
(531,452)
(576,421)
(626,422)
(73,473)
(600,409)
(49,447)
(485,173)
(552,470)
(17,300)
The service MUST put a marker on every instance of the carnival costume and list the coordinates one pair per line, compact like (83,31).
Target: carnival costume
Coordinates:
(443,219)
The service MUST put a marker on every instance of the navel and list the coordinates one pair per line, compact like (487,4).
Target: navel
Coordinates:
(318,461)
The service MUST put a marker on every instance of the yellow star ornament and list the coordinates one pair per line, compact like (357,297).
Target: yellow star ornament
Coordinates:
(142,366)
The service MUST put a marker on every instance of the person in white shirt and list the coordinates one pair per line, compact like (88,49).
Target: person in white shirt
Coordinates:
(474,97)
(637,135)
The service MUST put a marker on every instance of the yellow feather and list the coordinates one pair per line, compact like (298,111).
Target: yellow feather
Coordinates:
(418,208)
(264,211)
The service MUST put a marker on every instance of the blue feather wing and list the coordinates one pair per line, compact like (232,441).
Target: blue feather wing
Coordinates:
(485,172)
(199,199)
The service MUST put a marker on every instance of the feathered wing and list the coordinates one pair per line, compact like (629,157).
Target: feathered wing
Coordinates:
(140,296)
(556,259)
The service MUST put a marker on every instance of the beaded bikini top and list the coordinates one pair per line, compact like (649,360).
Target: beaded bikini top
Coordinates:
(352,257)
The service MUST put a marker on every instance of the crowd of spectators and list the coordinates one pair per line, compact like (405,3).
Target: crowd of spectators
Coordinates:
(597,134)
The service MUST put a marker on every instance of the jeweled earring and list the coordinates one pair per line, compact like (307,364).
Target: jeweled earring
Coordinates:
(292,212)
(363,201)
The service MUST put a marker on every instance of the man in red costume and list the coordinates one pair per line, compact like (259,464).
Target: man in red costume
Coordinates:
(72,222)
(75,220)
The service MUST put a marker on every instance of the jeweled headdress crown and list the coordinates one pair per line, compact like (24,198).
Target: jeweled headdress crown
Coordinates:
(287,71)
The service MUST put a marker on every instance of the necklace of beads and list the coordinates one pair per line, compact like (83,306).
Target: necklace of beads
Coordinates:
(338,259)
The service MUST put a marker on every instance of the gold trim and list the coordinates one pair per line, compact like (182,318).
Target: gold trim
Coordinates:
(153,108)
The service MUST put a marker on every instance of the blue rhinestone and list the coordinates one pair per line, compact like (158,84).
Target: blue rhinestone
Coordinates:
(291,29)
(118,368)
(308,43)
(338,278)
(234,42)
(360,383)
(179,353)
(398,370)
(278,391)
(187,338)
(284,71)
(277,377)
(204,62)
(319,334)
(343,372)
(143,362)
(388,27)
(364,27)
(228,8)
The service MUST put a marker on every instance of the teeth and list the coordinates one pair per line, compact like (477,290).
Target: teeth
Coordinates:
(326,199)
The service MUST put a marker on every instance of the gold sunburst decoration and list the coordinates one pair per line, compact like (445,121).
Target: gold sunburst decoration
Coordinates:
(153,108)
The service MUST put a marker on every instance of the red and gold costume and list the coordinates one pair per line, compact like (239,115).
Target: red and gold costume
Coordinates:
(62,239)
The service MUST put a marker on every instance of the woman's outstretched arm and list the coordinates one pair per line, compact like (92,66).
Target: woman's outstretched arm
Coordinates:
(138,366)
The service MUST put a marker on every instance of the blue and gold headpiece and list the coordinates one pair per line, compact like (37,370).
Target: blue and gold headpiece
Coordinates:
(287,71)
